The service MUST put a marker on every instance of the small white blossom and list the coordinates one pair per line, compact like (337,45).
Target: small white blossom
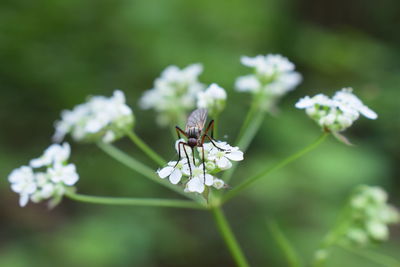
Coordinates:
(175,170)
(50,184)
(63,173)
(100,118)
(335,114)
(194,176)
(213,99)
(54,153)
(218,183)
(23,182)
(273,77)
(223,155)
(174,93)
(198,181)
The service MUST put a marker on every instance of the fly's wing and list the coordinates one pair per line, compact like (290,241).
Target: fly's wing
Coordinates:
(197,119)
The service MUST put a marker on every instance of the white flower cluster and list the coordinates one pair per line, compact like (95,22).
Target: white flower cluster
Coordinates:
(100,118)
(178,91)
(51,183)
(173,93)
(215,159)
(273,76)
(337,113)
(369,216)
(213,99)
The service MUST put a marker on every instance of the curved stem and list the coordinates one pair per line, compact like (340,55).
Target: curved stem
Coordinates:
(278,166)
(139,167)
(153,202)
(145,148)
(229,238)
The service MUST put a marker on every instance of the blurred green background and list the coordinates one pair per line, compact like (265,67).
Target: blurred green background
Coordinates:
(55,53)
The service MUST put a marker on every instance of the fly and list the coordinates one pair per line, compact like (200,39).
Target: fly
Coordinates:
(195,135)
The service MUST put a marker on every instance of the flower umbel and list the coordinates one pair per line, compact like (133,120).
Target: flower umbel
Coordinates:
(338,113)
(369,216)
(174,93)
(56,176)
(194,177)
(273,77)
(100,118)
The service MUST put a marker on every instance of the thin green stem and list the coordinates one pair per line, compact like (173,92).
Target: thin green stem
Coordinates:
(254,108)
(153,202)
(139,167)
(145,148)
(292,257)
(379,258)
(229,237)
(243,143)
(276,167)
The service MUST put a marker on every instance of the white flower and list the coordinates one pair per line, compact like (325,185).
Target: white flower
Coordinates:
(174,93)
(23,182)
(222,155)
(268,65)
(213,99)
(218,183)
(335,114)
(198,181)
(51,184)
(248,83)
(273,77)
(194,176)
(174,171)
(100,118)
(348,102)
(63,173)
(54,153)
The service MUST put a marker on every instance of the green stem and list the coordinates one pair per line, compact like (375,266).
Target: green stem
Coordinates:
(229,238)
(254,108)
(245,140)
(145,148)
(139,167)
(292,257)
(278,166)
(153,202)
(381,259)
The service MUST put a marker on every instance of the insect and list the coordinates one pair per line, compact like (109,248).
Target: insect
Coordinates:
(195,135)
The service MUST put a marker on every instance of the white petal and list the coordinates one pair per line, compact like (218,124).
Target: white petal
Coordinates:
(175,176)
(223,163)
(166,171)
(195,185)
(209,179)
(370,114)
(235,155)
(23,200)
(71,179)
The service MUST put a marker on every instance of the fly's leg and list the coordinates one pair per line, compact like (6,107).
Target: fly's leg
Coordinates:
(179,152)
(188,160)
(179,131)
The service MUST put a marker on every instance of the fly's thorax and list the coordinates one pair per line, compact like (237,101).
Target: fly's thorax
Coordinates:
(193,132)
